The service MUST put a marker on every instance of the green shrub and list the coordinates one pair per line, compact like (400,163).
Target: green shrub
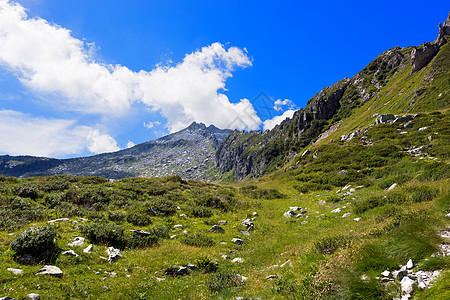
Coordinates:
(139,241)
(164,207)
(161,231)
(206,265)
(286,284)
(117,216)
(224,280)
(333,199)
(105,234)
(139,219)
(198,239)
(27,191)
(365,204)
(330,244)
(422,193)
(202,212)
(39,242)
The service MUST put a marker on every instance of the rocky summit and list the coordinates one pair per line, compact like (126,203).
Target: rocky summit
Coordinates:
(189,153)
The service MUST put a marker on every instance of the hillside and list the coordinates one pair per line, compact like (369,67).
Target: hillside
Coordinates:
(189,153)
(393,83)
(349,199)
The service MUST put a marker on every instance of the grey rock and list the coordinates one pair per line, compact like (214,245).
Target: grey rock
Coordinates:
(88,249)
(15,271)
(239,260)
(392,186)
(382,119)
(402,119)
(346,215)
(141,232)
(407,285)
(216,229)
(34,296)
(178,226)
(78,241)
(409,264)
(183,216)
(316,154)
(421,57)
(272,277)
(70,253)
(408,125)
(237,241)
(337,210)
(244,232)
(247,223)
(113,254)
(59,220)
(306,152)
(222,222)
(50,270)
(7,298)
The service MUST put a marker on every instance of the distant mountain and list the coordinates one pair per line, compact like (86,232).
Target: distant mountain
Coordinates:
(189,153)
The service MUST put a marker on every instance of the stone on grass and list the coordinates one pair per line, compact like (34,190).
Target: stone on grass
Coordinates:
(357,219)
(423,285)
(244,232)
(70,253)
(247,223)
(216,229)
(237,241)
(50,270)
(337,210)
(272,277)
(34,296)
(392,187)
(113,254)
(287,263)
(178,226)
(346,215)
(386,274)
(409,264)
(222,222)
(7,298)
(15,271)
(238,260)
(289,214)
(88,249)
(407,285)
(78,241)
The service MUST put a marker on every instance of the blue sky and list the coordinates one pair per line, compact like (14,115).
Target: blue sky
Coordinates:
(84,77)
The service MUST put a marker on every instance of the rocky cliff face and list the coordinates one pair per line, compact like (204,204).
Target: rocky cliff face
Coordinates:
(255,153)
(188,153)
(422,55)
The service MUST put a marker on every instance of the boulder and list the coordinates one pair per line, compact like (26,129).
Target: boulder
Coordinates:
(289,214)
(15,271)
(141,232)
(237,241)
(407,285)
(346,215)
(33,296)
(247,223)
(384,118)
(78,241)
(50,270)
(178,226)
(239,260)
(216,229)
(113,254)
(70,253)
(7,298)
(408,125)
(409,264)
(88,249)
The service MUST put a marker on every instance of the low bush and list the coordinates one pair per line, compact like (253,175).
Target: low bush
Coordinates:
(224,280)
(198,239)
(39,242)
(422,193)
(330,244)
(105,234)
(117,216)
(365,204)
(164,207)
(202,212)
(206,265)
(139,219)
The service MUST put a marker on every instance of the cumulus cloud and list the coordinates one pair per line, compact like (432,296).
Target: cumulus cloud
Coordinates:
(280,103)
(22,134)
(130,144)
(271,123)
(150,124)
(49,60)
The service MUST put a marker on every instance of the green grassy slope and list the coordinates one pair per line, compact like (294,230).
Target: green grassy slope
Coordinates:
(327,254)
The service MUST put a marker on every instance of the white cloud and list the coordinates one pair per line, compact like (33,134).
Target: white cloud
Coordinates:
(22,134)
(150,124)
(280,103)
(49,60)
(271,123)
(101,143)
(130,144)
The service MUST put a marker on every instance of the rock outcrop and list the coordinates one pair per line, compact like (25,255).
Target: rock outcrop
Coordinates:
(422,55)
